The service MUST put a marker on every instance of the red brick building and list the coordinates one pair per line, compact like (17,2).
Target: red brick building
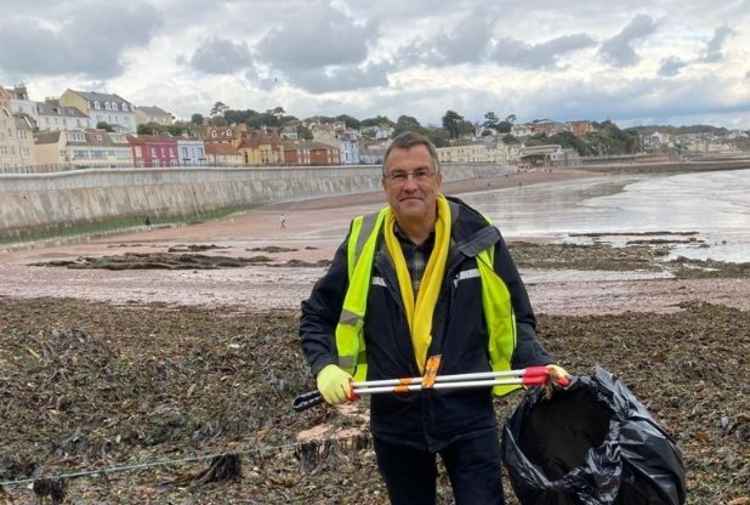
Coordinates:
(153,151)
(310,153)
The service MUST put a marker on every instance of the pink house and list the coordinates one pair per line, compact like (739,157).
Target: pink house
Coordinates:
(153,151)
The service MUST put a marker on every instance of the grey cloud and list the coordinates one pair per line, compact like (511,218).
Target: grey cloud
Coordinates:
(641,98)
(618,50)
(316,38)
(343,78)
(671,66)
(520,54)
(221,56)
(468,43)
(90,41)
(716,44)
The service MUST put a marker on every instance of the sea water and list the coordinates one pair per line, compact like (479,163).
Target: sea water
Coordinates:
(716,205)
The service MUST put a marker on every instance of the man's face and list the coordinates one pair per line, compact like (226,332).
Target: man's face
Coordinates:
(410,182)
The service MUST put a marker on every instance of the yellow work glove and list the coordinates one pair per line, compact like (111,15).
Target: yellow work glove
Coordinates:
(334,384)
(558,375)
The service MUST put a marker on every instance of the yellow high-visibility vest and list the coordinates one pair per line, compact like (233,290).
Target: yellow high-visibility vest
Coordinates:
(350,341)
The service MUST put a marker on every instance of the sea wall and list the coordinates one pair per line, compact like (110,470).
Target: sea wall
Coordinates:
(48,201)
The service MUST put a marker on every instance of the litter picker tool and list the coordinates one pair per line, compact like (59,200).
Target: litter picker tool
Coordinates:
(531,376)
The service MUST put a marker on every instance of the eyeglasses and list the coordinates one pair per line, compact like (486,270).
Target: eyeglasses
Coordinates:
(401,176)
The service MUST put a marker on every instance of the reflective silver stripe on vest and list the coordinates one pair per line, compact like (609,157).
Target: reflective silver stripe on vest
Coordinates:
(349,318)
(466,274)
(378,281)
(368,223)
(346,362)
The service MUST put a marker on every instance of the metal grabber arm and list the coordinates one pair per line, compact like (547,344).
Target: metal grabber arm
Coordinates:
(531,376)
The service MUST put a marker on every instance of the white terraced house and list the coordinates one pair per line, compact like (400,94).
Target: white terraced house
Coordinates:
(102,107)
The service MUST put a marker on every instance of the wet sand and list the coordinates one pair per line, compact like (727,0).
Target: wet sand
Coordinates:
(315,228)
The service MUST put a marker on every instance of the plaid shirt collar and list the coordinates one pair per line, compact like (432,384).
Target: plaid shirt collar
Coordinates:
(416,256)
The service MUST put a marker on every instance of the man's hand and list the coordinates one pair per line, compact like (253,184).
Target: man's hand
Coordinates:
(558,375)
(334,384)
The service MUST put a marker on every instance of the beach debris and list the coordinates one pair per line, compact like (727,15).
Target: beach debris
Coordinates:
(272,249)
(180,248)
(52,488)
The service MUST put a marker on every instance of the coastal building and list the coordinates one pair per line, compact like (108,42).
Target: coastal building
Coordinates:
(52,115)
(90,148)
(467,153)
(550,155)
(656,140)
(223,154)
(344,139)
(310,153)
(191,151)
(580,128)
(16,140)
(153,151)
(373,153)
(17,100)
(214,134)
(102,108)
(153,114)
(377,132)
(262,147)
(521,130)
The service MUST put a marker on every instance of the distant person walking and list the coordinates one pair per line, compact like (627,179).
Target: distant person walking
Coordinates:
(282,221)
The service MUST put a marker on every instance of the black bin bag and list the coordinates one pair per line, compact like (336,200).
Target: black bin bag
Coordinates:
(592,443)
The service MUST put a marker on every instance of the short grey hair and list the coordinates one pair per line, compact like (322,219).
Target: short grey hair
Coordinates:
(409,139)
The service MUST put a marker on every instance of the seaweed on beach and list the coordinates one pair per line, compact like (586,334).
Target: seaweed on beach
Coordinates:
(94,386)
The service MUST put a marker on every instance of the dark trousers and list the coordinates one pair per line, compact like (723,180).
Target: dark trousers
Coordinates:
(473,466)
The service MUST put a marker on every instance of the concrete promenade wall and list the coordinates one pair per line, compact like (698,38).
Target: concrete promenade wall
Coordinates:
(48,201)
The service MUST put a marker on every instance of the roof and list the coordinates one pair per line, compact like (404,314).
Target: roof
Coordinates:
(309,146)
(92,96)
(149,139)
(54,108)
(220,148)
(153,111)
(47,137)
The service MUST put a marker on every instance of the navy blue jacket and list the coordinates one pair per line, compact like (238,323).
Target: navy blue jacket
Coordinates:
(428,419)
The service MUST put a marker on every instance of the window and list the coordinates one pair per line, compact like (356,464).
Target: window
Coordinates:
(153,152)
(96,105)
(185,154)
(124,107)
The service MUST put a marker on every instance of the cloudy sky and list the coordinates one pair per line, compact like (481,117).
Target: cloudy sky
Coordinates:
(632,61)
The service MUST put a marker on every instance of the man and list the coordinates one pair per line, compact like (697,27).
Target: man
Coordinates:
(426,283)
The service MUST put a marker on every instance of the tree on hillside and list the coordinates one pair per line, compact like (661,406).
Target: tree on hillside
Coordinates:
(149,129)
(304,132)
(349,121)
(196,119)
(510,118)
(218,109)
(504,127)
(103,125)
(438,136)
(406,123)
(453,121)
(377,121)
(510,139)
(490,120)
